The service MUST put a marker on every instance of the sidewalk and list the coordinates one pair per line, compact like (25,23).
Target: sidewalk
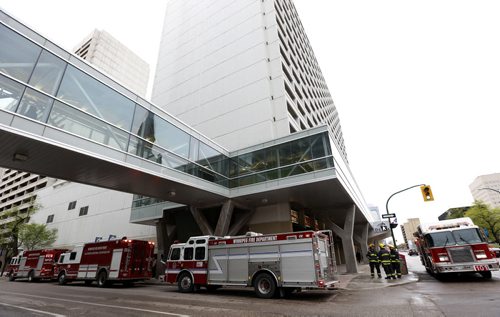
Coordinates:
(362,280)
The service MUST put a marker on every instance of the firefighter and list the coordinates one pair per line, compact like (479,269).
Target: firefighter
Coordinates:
(373,260)
(385,258)
(395,262)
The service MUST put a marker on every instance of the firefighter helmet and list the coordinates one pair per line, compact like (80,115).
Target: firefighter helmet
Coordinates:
(371,245)
(391,246)
(381,245)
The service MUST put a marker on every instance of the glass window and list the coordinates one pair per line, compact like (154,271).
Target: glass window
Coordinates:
(84,211)
(72,205)
(199,253)
(170,137)
(48,73)
(92,96)
(50,218)
(212,159)
(71,120)
(72,256)
(35,105)
(175,254)
(143,124)
(61,259)
(10,93)
(188,253)
(467,236)
(17,54)
(440,239)
(201,241)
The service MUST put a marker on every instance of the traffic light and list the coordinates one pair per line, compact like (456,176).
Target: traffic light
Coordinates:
(426,192)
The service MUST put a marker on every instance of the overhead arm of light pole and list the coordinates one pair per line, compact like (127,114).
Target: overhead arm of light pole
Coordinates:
(387,209)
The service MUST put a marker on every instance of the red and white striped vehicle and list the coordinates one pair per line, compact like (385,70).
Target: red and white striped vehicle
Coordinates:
(270,263)
(105,262)
(34,264)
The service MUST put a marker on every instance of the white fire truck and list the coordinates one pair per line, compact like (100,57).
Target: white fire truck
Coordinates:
(124,261)
(34,264)
(281,262)
(454,246)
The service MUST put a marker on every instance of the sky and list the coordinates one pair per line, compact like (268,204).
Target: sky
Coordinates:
(416,84)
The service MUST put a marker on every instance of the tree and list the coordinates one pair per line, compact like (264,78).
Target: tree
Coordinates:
(36,236)
(486,217)
(10,241)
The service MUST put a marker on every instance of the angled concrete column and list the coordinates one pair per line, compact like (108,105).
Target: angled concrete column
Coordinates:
(240,222)
(225,216)
(363,241)
(346,234)
(201,221)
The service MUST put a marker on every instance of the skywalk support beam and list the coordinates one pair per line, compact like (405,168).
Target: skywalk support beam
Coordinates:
(201,221)
(225,217)
(346,235)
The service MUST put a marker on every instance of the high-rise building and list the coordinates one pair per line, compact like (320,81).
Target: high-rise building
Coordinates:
(242,72)
(408,228)
(108,54)
(486,188)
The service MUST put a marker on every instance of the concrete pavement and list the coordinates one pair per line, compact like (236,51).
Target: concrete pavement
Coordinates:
(362,280)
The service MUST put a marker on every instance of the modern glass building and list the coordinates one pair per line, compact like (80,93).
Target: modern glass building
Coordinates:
(62,118)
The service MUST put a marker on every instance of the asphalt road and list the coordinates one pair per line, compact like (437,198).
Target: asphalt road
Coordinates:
(464,296)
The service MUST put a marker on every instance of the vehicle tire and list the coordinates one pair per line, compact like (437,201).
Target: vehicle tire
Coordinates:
(11,276)
(88,282)
(102,279)
(185,283)
(486,274)
(265,286)
(31,276)
(61,278)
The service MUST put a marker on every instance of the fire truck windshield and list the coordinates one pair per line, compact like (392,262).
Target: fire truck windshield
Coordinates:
(454,237)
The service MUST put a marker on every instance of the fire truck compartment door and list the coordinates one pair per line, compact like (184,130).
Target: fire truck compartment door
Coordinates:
(22,267)
(114,269)
(39,265)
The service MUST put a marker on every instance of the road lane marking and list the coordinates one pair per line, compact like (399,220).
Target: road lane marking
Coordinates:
(101,305)
(33,310)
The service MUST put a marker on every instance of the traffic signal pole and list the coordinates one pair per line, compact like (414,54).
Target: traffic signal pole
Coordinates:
(387,210)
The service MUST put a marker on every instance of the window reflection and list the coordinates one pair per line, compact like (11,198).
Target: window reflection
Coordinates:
(17,54)
(92,96)
(48,73)
(10,93)
(35,105)
(71,120)
(212,159)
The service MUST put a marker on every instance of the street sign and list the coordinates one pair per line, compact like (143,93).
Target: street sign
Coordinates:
(389,216)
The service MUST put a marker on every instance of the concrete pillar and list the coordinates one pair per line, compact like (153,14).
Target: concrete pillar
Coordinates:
(346,234)
(164,239)
(202,222)
(225,216)
(363,241)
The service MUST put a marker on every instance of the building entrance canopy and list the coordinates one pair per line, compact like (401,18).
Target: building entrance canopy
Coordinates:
(61,118)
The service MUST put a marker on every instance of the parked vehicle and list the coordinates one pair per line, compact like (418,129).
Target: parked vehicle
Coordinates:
(270,263)
(34,264)
(125,261)
(496,252)
(454,246)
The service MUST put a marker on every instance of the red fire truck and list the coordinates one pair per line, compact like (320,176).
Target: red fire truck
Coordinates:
(34,264)
(277,262)
(454,246)
(125,261)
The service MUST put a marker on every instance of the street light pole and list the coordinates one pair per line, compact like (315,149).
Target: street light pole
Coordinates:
(387,209)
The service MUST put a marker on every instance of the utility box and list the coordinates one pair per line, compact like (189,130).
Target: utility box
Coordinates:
(404,267)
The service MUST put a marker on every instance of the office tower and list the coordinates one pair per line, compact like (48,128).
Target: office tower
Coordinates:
(242,72)
(108,54)
(408,228)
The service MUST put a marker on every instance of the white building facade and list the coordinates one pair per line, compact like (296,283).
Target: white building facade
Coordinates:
(486,188)
(242,72)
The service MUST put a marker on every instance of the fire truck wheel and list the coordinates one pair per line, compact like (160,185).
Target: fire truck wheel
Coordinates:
(61,279)
(102,279)
(31,276)
(11,276)
(185,283)
(486,275)
(265,286)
